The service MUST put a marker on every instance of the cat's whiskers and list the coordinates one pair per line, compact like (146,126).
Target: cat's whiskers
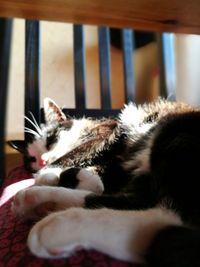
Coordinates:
(31,131)
(35,125)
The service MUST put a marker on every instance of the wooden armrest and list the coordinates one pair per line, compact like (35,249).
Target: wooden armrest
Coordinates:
(153,15)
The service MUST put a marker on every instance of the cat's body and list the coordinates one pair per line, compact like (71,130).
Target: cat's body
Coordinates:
(142,167)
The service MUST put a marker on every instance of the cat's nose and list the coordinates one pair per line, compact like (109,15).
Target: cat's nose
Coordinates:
(45,157)
(42,163)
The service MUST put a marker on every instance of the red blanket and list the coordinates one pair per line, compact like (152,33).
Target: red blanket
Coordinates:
(13,235)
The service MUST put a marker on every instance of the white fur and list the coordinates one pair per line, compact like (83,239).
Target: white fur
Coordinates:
(67,141)
(48,176)
(124,235)
(89,180)
(36,149)
(27,200)
(132,119)
(87,177)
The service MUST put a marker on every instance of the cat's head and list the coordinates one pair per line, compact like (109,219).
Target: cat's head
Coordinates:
(43,137)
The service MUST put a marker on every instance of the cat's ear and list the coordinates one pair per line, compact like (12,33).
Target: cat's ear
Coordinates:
(19,145)
(53,112)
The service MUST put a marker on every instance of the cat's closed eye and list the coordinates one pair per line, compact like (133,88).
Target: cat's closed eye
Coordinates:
(50,141)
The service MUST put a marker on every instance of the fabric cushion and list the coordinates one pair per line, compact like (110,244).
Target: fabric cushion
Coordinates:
(13,234)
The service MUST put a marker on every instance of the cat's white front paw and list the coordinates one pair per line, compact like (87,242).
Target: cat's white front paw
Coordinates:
(48,176)
(58,235)
(38,201)
(32,203)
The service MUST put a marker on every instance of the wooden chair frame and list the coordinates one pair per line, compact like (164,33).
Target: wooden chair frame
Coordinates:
(151,15)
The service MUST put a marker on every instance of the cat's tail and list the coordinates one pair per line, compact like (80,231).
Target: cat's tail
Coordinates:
(175,246)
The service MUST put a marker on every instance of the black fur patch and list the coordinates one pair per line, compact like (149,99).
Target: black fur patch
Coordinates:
(68,178)
(142,198)
(175,163)
(175,247)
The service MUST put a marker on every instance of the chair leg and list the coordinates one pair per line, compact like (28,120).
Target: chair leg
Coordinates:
(128,44)
(5,43)
(32,72)
(167,65)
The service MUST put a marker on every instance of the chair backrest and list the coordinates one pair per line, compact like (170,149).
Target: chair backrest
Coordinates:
(32,72)
(32,67)
(32,77)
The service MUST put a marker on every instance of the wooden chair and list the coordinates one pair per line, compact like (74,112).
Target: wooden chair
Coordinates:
(145,15)
(32,75)
(5,42)
(152,15)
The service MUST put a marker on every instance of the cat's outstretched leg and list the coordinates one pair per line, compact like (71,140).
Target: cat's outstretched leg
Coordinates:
(38,201)
(79,178)
(121,234)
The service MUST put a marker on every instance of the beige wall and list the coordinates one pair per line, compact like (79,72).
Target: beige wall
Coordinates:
(188,68)
(57,71)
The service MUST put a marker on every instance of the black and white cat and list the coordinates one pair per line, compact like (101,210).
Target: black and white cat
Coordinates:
(128,187)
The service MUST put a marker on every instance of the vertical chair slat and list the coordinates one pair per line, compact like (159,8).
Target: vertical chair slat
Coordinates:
(127,43)
(32,71)
(104,60)
(5,43)
(79,67)
(167,65)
